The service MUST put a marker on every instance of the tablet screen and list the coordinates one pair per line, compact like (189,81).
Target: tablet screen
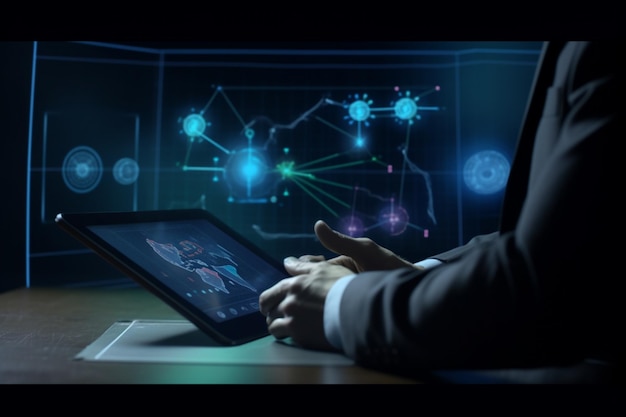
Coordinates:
(194,262)
(197,261)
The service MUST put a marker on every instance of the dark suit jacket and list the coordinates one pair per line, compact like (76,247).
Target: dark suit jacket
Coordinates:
(545,289)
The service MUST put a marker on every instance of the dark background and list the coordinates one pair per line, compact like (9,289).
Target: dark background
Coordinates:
(15,79)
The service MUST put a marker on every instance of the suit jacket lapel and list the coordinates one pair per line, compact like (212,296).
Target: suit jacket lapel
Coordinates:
(517,184)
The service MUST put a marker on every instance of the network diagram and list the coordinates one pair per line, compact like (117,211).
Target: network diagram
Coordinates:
(262,170)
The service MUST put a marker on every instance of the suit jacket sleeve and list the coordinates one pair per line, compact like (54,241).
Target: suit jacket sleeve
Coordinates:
(544,292)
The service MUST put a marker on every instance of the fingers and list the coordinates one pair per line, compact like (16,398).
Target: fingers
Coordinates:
(270,305)
(359,253)
(279,324)
(301,265)
(293,307)
(279,327)
(273,296)
(312,258)
(335,241)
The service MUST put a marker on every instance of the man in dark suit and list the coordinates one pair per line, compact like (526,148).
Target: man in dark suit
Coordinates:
(542,291)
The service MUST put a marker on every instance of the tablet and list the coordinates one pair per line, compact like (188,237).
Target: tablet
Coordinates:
(194,262)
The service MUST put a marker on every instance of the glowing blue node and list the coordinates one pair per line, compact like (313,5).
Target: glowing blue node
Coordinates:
(394,220)
(486,172)
(359,110)
(194,125)
(405,108)
(82,169)
(246,167)
(126,171)
(246,173)
(250,171)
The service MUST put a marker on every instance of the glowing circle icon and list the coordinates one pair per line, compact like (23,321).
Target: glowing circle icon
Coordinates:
(359,110)
(352,226)
(126,171)
(405,108)
(394,220)
(247,167)
(486,172)
(246,172)
(194,125)
(82,169)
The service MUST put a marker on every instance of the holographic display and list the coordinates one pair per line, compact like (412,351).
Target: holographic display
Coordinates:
(407,143)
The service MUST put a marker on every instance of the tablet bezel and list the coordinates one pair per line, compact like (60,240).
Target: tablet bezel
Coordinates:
(235,331)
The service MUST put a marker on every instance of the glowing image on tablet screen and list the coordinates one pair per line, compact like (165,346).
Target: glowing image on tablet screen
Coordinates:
(187,258)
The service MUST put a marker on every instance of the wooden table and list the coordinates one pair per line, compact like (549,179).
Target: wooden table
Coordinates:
(42,329)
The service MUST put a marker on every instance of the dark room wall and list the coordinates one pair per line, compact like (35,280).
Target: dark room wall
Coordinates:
(15,76)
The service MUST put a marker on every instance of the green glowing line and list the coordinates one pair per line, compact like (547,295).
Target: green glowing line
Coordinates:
(291,173)
(347,164)
(347,187)
(315,198)
(318,160)
(319,190)
(301,174)
(380,162)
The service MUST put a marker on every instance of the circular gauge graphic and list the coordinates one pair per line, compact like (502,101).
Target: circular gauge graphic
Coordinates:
(405,108)
(394,220)
(359,110)
(351,226)
(486,172)
(194,125)
(82,169)
(126,171)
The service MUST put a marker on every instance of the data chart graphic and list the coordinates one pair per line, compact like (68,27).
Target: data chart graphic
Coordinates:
(192,257)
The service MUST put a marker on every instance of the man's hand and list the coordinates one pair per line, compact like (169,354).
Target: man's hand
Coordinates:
(357,254)
(294,307)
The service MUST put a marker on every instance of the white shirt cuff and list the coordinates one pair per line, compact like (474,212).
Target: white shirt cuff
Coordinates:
(333,303)
(428,263)
(331,311)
